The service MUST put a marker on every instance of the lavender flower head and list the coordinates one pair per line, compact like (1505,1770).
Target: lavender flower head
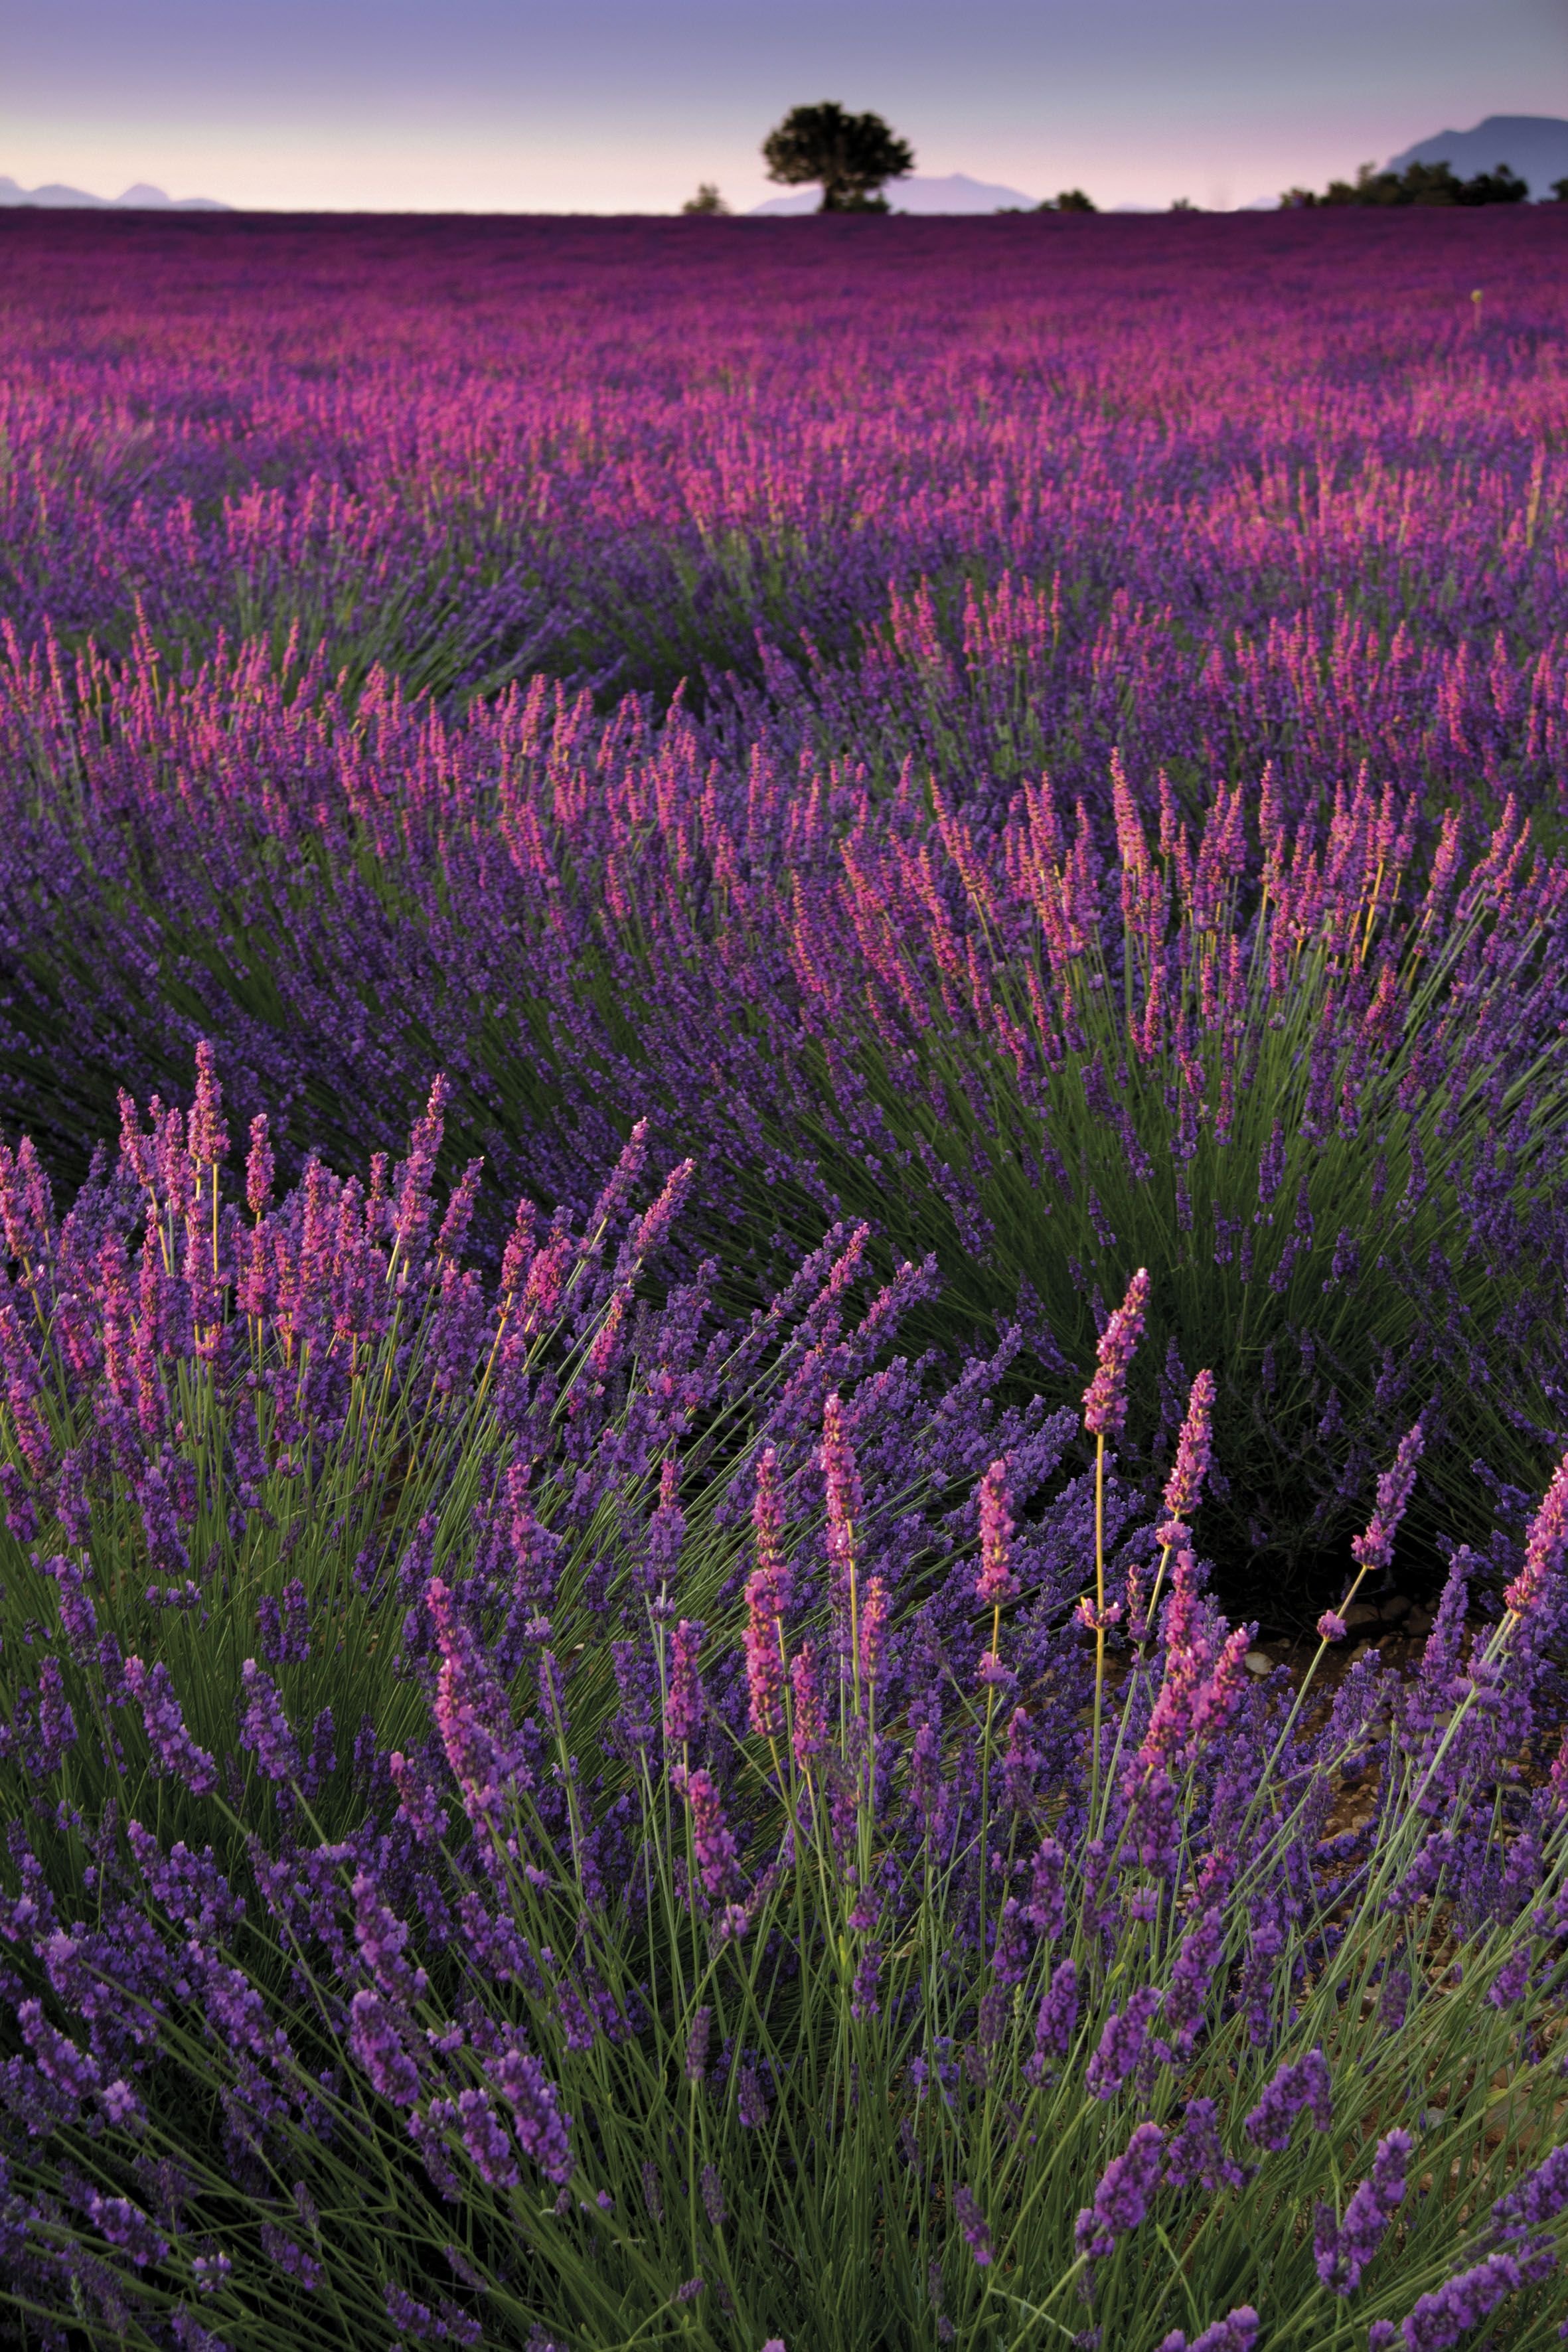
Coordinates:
(683,1705)
(1375,1547)
(1544,1548)
(1194,1447)
(997,1583)
(173,1749)
(1344,2250)
(1123,2195)
(1105,1399)
(975,2228)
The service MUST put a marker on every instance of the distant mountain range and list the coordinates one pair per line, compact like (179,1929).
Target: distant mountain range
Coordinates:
(956,193)
(139,199)
(1533,146)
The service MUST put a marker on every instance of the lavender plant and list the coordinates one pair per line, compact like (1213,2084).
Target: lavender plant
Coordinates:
(807,1877)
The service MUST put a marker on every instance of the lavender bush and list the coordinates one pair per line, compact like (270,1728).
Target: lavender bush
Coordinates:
(1309,1069)
(803,1872)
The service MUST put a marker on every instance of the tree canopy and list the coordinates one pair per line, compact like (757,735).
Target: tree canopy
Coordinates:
(1419,183)
(851,154)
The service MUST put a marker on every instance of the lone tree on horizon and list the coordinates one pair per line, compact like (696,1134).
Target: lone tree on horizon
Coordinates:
(851,154)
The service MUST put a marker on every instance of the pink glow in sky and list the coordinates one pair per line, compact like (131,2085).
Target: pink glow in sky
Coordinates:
(622,105)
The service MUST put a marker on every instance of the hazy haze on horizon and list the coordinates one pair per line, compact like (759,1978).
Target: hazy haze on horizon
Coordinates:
(501,105)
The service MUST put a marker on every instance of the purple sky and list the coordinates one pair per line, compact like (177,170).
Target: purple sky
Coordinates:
(622,105)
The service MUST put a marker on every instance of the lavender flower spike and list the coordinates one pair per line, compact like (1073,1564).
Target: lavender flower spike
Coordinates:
(996,1582)
(1544,1548)
(173,1749)
(1375,1547)
(1105,1399)
(1185,1482)
(1121,2198)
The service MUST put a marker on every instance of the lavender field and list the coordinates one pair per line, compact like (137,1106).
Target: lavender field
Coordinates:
(784,1050)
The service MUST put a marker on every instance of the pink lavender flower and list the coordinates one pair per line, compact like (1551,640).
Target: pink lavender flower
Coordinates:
(683,1703)
(713,1839)
(1544,1548)
(997,1583)
(874,1615)
(1375,1547)
(1331,1627)
(208,1135)
(472,1713)
(810,1722)
(1123,2195)
(1105,1399)
(258,1168)
(767,1598)
(844,1504)
(1185,1484)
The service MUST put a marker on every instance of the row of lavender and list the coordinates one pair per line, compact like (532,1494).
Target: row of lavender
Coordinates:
(606,1825)
(1308,1067)
(1273,484)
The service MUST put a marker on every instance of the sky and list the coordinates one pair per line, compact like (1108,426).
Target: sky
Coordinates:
(625,105)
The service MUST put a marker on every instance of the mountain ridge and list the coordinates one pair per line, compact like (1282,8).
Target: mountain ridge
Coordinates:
(55,196)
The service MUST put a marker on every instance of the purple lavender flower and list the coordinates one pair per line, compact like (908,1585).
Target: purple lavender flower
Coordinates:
(974,2224)
(264,1728)
(1196,2158)
(750,2100)
(1304,2083)
(377,2039)
(173,1749)
(543,2129)
(1236,2332)
(1105,1399)
(1540,2196)
(1344,2250)
(809,1726)
(1122,2045)
(1122,2194)
(485,2139)
(1375,1547)
(1462,2303)
(696,2044)
(1056,2020)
